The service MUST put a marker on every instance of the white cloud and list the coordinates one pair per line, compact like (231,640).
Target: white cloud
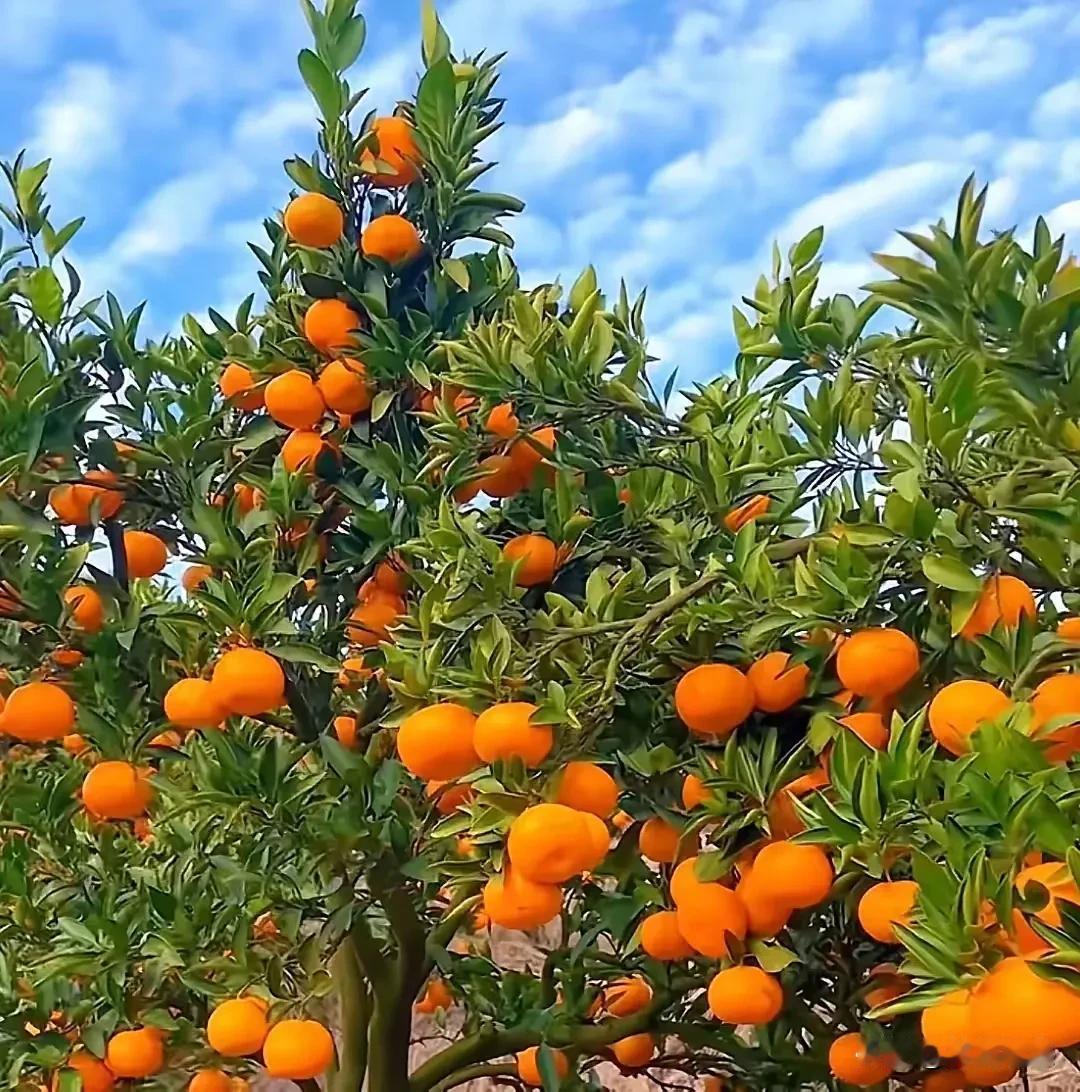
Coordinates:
(858,115)
(540,152)
(78,123)
(1060,106)
(1065,219)
(29,26)
(991,52)
(277,121)
(891,194)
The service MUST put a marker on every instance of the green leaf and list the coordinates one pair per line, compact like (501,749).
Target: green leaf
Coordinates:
(380,404)
(436,98)
(45,294)
(436,43)
(322,83)
(303,174)
(458,272)
(349,43)
(805,250)
(949,572)
(772,957)
(306,654)
(28,184)
(55,241)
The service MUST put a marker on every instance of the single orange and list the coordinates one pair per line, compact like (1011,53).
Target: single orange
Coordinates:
(116,790)
(505,731)
(1054,698)
(238,387)
(958,709)
(136,1054)
(301,450)
(537,559)
(195,576)
(392,239)
(694,792)
(193,703)
(37,712)
(345,730)
(514,902)
(1068,629)
(344,386)
(395,159)
(146,554)
(747,512)
(587,787)
(500,477)
(312,219)
(745,995)
(502,421)
(659,840)
(293,400)
(884,906)
(1002,601)
(210,1080)
(777,686)
(528,1066)
(551,843)
(713,699)
(449,796)
(436,743)
(330,325)
(851,1060)
(707,914)
(238,1027)
(635,1051)
(869,727)
(875,663)
(794,875)
(370,623)
(626,996)
(248,682)
(95,1074)
(85,607)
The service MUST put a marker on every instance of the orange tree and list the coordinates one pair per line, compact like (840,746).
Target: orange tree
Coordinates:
(763,714)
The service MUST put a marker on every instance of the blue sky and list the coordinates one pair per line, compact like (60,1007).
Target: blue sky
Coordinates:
(667,141)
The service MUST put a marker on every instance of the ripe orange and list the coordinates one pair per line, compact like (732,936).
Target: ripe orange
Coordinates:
(528,1066)
(551,843)
(659,840)
(988,1068)
(75,744)
(713,699)
(247,498)
(146,554)
(248,682)
(537,559)
(694,792)
(116,790)
(354,673)
(530,451)
(96,1075)
(1057,879)
(512,901)
(449,797)
(635,1051)
(959,708)
(75,504)
(875,663)
(501,478)
(301,450)
(136,1054)
(946,1024)
(747,512)
(869,727)
(888,988)
(192,703)
(793,875)
(1068,629)
(765,915)
(369,624)
(392,239)
(439,994)
(345,730)
(395,160)
(1003,600)
(195,576)
(886,904)
(238,1027)
(626,996)
(237,385)
(745,995)
(86,608)
(210,1080)
(706,914)
(391,575)
(784,821)
(505,731)
(344,386)
(293,400)
(776,686)
(298,1050)
(585,786)
(436,743)
(943,1079)
(850,1060)
(1055,697)
(330,325)
(37,712)
(502,421)
(312,219)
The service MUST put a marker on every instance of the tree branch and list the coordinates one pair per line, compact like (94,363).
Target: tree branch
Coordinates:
(354,1014)
(476,1072)
(114,535)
